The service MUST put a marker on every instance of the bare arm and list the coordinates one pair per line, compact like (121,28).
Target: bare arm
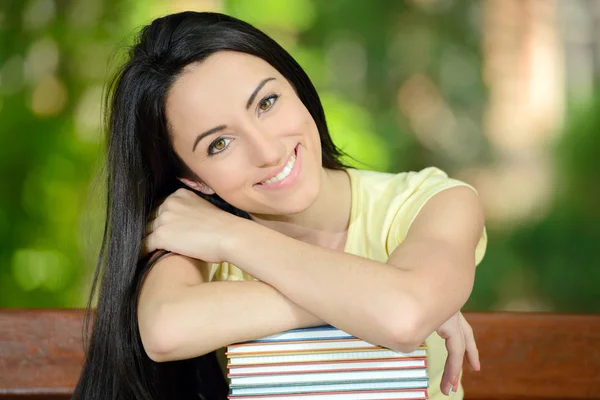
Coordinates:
(182,316)
(397,304)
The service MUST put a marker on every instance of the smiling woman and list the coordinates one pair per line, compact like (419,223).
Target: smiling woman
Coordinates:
(260,135)
(230,218)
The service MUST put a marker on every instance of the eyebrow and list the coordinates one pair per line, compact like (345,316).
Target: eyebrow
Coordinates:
(221,127)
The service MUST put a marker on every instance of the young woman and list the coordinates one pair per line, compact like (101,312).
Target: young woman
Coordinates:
(219,158)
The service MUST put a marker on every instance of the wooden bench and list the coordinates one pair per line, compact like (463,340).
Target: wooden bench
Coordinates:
(523,356)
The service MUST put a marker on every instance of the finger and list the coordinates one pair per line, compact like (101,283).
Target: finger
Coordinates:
(456,352)
(149,242)
(470,344)
(148,230)
(159,210)
(163,218)
(153,225)
(181,192)
(148,245)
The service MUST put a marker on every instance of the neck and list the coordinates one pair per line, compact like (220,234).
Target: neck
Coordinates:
(325,222)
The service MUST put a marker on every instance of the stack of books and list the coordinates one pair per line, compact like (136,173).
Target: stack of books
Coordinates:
(323,363)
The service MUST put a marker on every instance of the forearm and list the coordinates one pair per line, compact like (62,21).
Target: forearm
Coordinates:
(369,299)
(208,316)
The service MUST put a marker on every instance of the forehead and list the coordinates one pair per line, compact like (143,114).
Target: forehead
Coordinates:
(212,89)
(226,72)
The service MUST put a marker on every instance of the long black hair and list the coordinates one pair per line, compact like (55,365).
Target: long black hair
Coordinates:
(141,168)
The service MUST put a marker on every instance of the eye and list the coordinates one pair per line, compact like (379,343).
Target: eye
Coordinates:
(218,145)
(268,102)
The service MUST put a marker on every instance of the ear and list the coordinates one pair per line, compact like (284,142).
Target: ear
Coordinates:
(197,186)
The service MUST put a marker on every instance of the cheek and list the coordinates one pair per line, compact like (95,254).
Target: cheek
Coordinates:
(224,177)
(313,138)
(291,121)
(292,117)
(302,124)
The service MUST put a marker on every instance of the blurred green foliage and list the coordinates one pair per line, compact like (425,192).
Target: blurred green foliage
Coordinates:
(562,247)
(358,54)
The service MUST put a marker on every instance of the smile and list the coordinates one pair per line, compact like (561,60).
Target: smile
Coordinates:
(284,173)
(288,175)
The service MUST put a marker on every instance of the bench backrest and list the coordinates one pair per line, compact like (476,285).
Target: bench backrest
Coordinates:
(523,356)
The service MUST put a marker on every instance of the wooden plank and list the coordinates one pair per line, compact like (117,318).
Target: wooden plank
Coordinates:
(40,352)
(535,356)
(523,356)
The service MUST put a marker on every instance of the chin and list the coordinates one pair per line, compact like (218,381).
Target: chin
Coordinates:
(290,206)
(301,203)
(292,209)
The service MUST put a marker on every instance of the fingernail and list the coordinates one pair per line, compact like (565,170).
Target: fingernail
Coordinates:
(448,391)
(478,366)
(455,383)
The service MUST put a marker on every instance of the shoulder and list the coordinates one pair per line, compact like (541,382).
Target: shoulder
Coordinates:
(400,190)
(390,202)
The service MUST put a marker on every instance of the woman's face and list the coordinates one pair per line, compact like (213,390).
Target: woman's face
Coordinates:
(240,127)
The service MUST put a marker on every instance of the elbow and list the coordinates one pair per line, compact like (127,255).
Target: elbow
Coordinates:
(405,333)
(158,338)
(158,350)
(405,339)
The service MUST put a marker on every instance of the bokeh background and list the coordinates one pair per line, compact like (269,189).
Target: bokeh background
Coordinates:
(499,93)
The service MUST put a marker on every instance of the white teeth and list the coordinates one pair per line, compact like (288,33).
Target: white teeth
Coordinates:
(283,174)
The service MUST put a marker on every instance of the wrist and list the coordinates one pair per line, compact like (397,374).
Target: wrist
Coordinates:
(239,231)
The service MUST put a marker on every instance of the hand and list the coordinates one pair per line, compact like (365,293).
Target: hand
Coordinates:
(459,338)
(187,224)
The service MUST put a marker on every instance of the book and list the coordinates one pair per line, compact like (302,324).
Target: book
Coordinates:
(347,395)
(299,346)
(329,387)
(335,366)
(317,333)
(346,376)
(323,363)
(322,356)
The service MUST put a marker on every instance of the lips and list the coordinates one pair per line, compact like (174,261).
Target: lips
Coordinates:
(281,172)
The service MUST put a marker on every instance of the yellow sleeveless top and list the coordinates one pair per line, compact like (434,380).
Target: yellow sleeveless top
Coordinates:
(383,208)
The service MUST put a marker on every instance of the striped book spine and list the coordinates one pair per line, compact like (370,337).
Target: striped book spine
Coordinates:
(323,363)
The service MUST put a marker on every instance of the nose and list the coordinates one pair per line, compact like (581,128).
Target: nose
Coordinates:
(266,150)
